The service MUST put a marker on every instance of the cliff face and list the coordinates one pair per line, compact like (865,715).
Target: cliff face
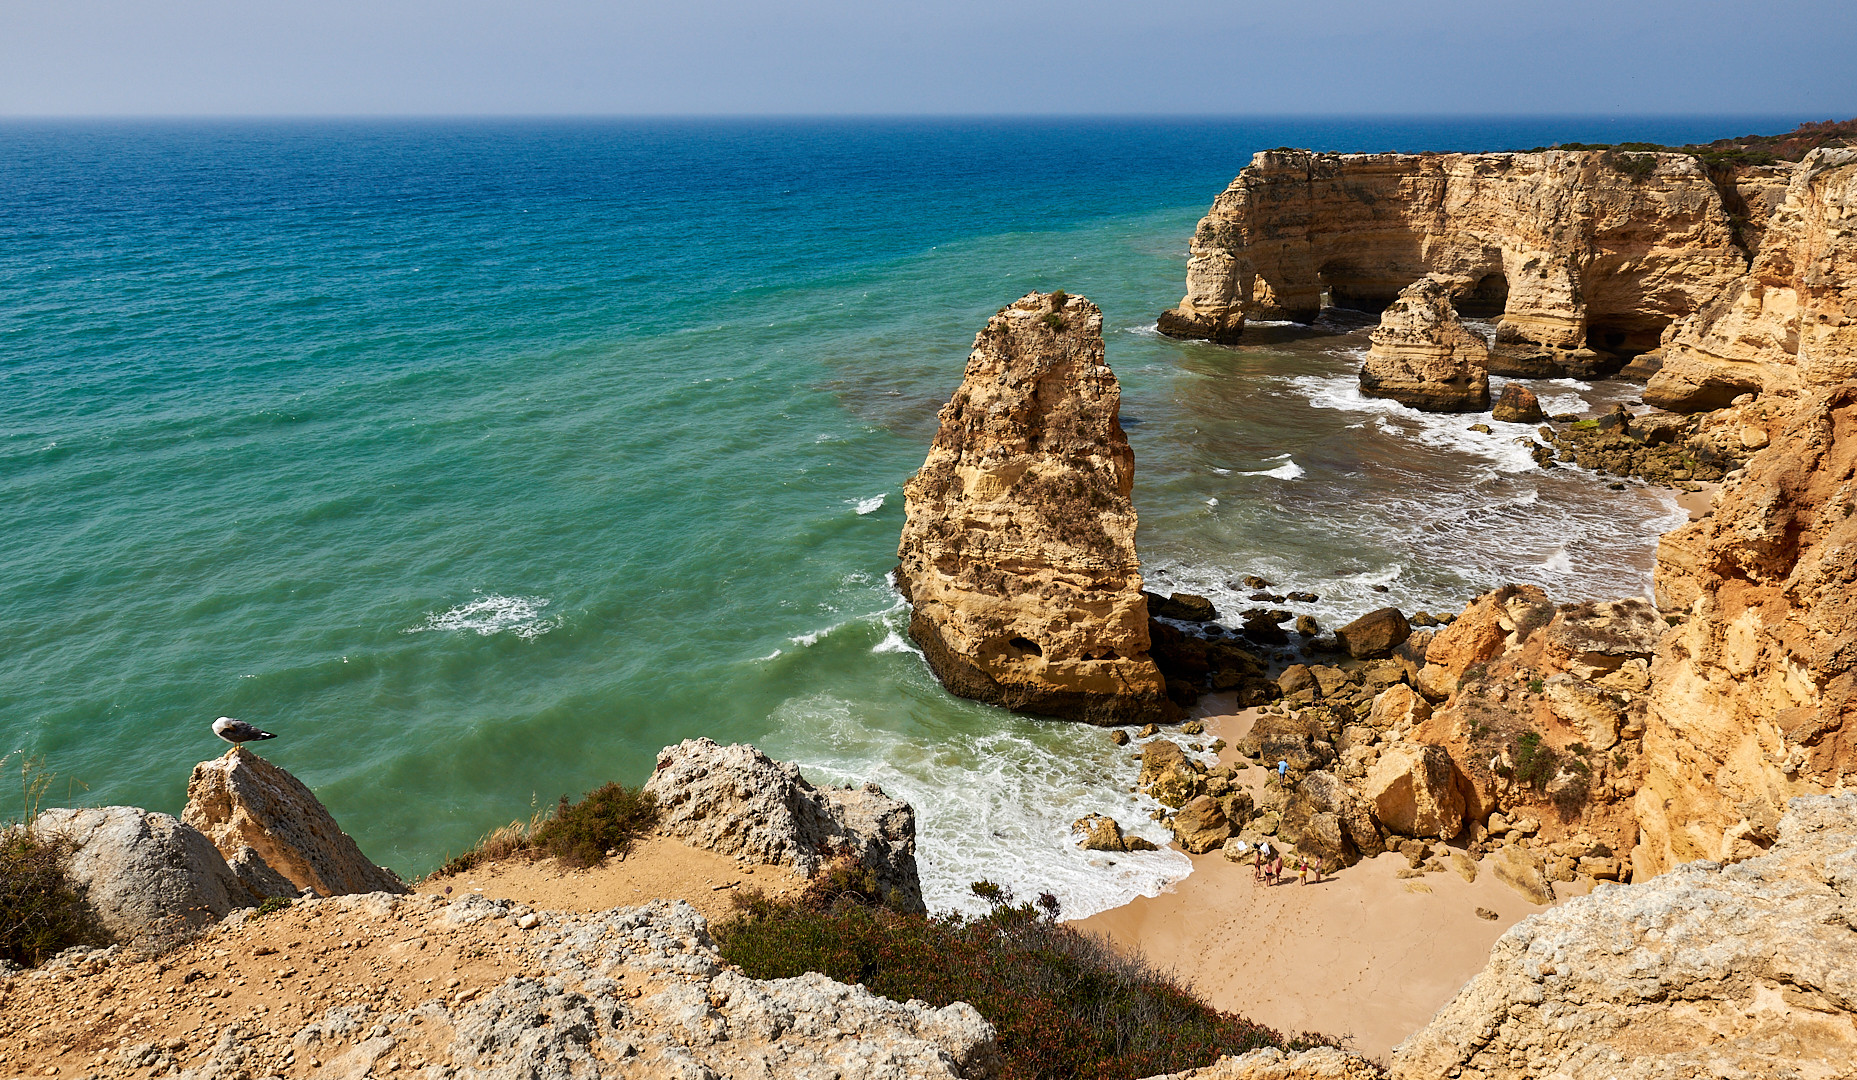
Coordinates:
(1744,970)
(1018,552)
(1791,321)
(1570,247)
(1754,696)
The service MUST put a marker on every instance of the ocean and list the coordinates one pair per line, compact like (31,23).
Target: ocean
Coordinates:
(480,460)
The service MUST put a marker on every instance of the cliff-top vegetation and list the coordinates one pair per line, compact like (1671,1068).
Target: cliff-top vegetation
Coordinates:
(1746,150)
(1064,1004)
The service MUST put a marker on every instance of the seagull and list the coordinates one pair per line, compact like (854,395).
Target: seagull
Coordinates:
(238,732)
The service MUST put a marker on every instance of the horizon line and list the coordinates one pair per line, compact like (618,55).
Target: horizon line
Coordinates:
(891,116)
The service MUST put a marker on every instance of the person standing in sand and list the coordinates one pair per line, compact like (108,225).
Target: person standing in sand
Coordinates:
(1302,870)
(1257,864)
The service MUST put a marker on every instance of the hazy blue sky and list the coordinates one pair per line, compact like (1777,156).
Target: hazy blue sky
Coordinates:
(190,57)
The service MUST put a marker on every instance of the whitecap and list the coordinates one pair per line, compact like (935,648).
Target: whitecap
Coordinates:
(1020,786)
(1221,472)
(893,642)
(1289,470)
(493,614)
(1558,563)
(1212,502)
(871,505)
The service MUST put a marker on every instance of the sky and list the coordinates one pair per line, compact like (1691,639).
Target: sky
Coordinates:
(883,57)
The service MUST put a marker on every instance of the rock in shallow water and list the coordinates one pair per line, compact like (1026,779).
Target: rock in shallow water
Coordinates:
(1018,551)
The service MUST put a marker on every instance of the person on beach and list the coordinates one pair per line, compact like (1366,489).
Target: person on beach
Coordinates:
(1274,875)
(1283,769)
(1316,869)
(1302,871)
(1257,864)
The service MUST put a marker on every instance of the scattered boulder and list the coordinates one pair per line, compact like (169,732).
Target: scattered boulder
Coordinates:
(1517,404)
(1295,677)
(1201,825)
(1167,775)
(270,827)
(1398,708)
(144,872)
(1424,356)
(1276,737)
(1103,833)
(1375,634)
(1018,547)
(1324,818)
(1522,870)
(735,800)
(1746,969)
(1588,709)
(1414,792)
(1181,607)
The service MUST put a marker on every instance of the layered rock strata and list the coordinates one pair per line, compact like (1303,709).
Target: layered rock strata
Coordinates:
(1584,255)
(1018,549)
(1424,356)
(1791,322)
(735,800)
(274,832)
(1754,694)
(1708,970)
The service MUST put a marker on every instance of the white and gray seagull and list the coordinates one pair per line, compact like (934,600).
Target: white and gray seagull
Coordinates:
(238,732)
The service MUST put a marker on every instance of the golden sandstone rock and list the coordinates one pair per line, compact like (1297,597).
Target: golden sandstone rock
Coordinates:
(1424,356)
(1754,696)
(1018,552)
(1791,321)
(1571,248)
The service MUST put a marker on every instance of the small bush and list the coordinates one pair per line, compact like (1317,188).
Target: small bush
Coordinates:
(608,818)
(272,905)
(1055,321)
(1535,764)
(1064,1004)
(41,913)
(580,834)
(1058,299)
(1535,686)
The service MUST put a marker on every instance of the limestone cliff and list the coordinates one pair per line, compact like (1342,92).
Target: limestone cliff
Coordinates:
(1424,356)
(1754,695)
(1791,321)
(1018,552)
(1570,248)
(1710,970)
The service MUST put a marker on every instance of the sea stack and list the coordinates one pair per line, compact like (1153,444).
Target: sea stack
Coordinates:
(1018,549)
(1424,356)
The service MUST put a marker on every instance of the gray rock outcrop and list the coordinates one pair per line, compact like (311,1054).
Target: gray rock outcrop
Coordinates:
(145,872)
(1747,969)
(272,830)
(735,800)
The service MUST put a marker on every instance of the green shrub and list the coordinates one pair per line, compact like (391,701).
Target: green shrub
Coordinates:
(41,913)
(1055,321)
(272,905)
(1064,1004)
(608,818)
(580,834)
(1535,763)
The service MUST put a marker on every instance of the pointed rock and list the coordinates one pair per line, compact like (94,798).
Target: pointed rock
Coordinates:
(271,829)
(1424,356)
(1018,552)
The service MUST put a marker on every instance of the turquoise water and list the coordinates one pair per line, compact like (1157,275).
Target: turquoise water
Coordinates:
(479,461)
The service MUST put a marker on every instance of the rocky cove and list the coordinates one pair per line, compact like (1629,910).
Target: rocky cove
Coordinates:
(1682,755)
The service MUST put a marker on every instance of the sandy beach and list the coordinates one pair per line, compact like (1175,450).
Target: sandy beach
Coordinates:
(1364,954)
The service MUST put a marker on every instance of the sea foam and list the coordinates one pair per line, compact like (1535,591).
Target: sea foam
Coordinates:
(493,614)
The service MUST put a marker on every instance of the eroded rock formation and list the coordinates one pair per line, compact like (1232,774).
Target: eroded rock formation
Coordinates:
(1585,255)
(1708,970)
(1791,321)
(145,872)
(1754,695)
(1018,552)
(1424,356)
(735,800)
(275,834)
